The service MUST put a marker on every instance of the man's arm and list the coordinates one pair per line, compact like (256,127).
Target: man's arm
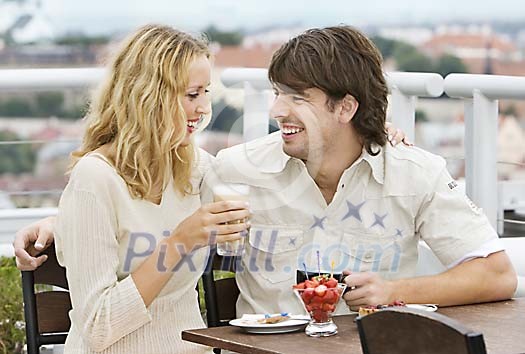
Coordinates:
(32,240)
(481,279)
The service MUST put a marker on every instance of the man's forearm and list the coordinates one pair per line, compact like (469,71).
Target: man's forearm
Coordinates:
(479,280)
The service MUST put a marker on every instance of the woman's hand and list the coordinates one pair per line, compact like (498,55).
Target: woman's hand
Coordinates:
(395,136)
(212,223)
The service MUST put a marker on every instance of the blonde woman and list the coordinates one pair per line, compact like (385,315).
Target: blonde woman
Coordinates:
(131,230)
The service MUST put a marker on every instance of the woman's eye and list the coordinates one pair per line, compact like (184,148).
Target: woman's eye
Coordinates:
(193,95)
(298,98)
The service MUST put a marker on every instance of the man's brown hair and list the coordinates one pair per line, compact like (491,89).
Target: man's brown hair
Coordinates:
(338,60)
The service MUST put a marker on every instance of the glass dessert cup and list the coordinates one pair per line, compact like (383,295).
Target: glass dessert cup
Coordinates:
(320,303)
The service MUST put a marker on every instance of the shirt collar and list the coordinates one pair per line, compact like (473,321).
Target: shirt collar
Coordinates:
(267,154)
(272,158)
(376,163)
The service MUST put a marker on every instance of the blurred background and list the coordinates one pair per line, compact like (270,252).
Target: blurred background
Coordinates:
(39,129)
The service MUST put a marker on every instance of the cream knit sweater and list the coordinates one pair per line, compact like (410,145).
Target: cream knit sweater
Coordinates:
(102,235)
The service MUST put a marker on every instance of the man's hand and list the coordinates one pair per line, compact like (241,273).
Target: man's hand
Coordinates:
(370,289)
(31,241)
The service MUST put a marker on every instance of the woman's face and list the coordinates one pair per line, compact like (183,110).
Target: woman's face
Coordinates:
(196,102)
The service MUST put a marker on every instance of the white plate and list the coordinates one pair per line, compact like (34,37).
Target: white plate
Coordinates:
(249,324)
(423,307)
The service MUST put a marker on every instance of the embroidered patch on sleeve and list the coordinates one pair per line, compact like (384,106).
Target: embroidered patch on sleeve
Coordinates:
(452,185)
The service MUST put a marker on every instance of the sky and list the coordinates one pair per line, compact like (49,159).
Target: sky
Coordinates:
(107,16)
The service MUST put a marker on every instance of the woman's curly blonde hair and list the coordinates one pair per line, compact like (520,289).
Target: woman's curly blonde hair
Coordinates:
(139,109)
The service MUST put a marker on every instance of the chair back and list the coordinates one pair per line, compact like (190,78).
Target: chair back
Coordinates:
(46,313)
(220,289)
(402,330)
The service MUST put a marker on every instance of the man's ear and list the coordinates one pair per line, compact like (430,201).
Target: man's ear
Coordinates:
(347,109)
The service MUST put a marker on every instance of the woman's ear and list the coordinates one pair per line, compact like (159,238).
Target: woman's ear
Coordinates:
(349,106)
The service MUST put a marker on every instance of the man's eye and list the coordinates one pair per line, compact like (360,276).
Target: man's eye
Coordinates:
(298,98)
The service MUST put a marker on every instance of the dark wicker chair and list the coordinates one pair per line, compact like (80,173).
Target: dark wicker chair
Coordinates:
(46,313)
(402,330)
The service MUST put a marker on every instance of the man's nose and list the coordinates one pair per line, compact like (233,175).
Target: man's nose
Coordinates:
(280,108)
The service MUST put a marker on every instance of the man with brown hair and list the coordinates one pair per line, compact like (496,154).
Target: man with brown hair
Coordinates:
(329,194)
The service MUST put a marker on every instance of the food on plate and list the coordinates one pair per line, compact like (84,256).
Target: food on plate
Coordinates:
(367,310)
(320,295)
(274,319)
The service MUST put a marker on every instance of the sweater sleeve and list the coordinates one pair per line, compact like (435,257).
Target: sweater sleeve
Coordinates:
(105,309)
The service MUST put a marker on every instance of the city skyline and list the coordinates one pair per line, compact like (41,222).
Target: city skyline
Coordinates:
(98,17)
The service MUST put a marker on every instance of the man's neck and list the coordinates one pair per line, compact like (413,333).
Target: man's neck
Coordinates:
(326,170)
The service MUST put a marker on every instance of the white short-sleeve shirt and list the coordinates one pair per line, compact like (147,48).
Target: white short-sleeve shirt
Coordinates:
(384,205)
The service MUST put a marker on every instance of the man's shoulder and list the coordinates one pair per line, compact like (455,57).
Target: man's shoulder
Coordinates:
(413,166)
(413,157)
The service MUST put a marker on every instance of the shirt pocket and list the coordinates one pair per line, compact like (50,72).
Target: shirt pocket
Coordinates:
(272,251)
(368,251)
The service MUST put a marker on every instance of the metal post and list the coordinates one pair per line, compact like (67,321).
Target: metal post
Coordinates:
(481,126)
(256,112)
(403,112)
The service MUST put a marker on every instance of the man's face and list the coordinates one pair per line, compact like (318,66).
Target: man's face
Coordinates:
(308,128)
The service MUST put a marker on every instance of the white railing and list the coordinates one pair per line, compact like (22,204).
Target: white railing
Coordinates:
(48,79)
(480,93)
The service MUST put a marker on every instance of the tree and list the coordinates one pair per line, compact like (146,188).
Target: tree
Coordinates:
(82,40)
(223,37)
(385,46)
(414,61)
(15,158)
(16,107)
(76,112)
(448,63)
(50,103)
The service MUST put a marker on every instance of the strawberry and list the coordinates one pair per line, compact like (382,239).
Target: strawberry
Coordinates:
(317,300)
(320,290)
(330,296)
(331,283)
(311,283)
(299,286)
(315,306)
(320,316)
(307,295)
(328,307)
